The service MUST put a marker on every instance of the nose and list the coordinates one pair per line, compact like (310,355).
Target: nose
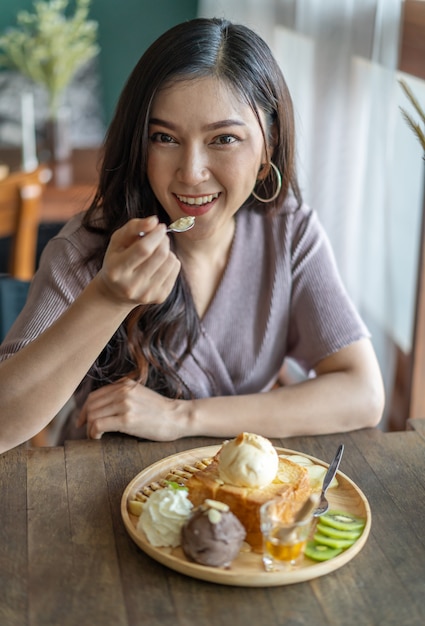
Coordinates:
(192,167)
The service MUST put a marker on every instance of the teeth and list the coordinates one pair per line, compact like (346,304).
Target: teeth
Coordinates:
(198,201)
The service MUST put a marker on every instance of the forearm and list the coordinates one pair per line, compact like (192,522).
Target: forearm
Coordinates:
(327,404)
(37,381)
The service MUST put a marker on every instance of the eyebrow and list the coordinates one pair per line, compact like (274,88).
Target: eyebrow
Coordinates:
(212,126)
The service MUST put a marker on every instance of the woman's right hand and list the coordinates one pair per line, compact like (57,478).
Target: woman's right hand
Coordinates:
(36,381)
(139,270)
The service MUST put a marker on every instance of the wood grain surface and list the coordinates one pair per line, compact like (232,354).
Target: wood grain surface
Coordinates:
(66,557)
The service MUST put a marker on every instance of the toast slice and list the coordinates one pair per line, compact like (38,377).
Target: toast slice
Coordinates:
(291,484)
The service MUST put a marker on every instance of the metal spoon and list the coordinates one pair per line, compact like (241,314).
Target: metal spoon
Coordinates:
(333,467)
(179,226)
(289,534)
(308,506)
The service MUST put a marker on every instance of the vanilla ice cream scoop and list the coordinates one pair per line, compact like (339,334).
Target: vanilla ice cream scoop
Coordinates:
(248,461)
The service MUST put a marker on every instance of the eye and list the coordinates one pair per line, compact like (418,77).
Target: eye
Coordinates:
(225,140)
(161,138)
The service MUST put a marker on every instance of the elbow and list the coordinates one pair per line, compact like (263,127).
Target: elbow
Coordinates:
(373,403)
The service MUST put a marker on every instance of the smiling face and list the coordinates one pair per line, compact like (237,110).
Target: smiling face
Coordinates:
(205,151)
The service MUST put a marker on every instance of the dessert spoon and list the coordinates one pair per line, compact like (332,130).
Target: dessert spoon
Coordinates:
(333,467)
(179,226)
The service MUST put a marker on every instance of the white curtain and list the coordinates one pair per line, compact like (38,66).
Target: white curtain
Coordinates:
(359,164)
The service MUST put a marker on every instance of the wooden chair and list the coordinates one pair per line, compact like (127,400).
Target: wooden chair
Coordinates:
(20,196)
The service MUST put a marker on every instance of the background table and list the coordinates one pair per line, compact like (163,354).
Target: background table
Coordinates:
(66,558)
(70,190)
(72,184)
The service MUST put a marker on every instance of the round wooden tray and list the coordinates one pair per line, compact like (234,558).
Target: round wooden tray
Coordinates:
(247,569)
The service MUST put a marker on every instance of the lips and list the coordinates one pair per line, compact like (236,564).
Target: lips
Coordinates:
(197,200)
(196,205)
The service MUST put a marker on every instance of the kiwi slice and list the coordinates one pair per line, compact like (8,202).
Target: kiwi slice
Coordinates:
(329,531)
(332,542)
(342,521)
(319,552)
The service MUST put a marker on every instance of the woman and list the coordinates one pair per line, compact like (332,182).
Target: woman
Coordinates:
(164,336)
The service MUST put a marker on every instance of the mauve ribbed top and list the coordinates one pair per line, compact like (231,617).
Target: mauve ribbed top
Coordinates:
(280,296)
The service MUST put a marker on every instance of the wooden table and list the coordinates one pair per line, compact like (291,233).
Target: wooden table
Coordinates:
(66,558)
(72,184)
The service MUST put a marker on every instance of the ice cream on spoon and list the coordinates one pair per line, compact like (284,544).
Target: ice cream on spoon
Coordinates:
(179,226)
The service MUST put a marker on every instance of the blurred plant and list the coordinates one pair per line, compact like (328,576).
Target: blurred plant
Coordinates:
(414,125)
(49,47)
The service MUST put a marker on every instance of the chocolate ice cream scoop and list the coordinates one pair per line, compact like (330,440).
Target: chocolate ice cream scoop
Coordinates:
(212,535)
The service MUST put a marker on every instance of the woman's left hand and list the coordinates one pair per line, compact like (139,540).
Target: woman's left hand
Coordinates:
(128,407)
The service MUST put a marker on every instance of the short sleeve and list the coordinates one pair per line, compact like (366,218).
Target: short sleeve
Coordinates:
(61,277)
(323,318)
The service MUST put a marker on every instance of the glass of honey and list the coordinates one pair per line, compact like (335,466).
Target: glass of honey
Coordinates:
(283,541)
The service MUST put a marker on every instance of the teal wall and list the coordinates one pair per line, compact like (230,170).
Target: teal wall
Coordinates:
(126,29)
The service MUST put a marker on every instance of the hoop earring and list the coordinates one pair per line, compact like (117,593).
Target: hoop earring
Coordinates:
(278,187)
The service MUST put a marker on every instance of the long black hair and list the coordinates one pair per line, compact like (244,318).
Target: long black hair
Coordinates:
(145,345)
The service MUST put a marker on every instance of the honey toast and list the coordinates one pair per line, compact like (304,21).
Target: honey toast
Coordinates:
(291,484)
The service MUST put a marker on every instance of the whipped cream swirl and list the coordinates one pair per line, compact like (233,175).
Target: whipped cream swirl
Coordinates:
(163,516)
